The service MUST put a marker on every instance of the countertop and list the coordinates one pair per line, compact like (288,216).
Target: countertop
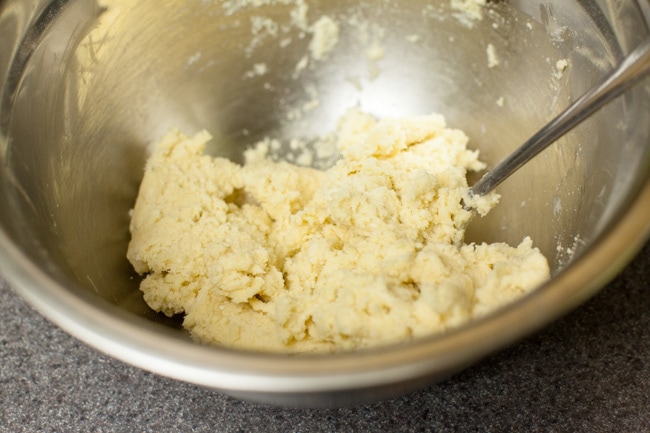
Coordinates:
(587,372)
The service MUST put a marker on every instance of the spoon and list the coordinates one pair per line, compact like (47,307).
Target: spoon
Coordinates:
(629,72)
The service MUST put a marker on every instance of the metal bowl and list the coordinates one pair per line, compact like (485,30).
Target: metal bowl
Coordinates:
(85,88)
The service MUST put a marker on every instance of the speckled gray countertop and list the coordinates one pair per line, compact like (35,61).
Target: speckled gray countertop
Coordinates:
(588,372)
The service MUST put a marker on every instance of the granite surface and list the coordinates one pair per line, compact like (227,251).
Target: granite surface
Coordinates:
(588,372)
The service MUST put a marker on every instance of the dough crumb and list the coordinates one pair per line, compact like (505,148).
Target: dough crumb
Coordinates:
(468,11)
(272,256)
(560,66)
(492,57)
(324,39)
(258,70)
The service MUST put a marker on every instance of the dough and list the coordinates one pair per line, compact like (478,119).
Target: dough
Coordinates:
(270,256)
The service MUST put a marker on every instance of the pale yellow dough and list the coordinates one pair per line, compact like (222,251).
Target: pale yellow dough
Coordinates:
(270,256)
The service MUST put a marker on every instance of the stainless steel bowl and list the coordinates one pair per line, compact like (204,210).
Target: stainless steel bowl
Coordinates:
(85,88)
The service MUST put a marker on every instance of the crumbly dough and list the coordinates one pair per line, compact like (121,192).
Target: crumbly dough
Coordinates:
(270,256)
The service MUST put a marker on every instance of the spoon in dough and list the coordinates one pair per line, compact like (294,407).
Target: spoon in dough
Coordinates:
(629,72)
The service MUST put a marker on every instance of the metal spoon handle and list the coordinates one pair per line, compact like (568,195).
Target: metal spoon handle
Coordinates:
(632,69)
